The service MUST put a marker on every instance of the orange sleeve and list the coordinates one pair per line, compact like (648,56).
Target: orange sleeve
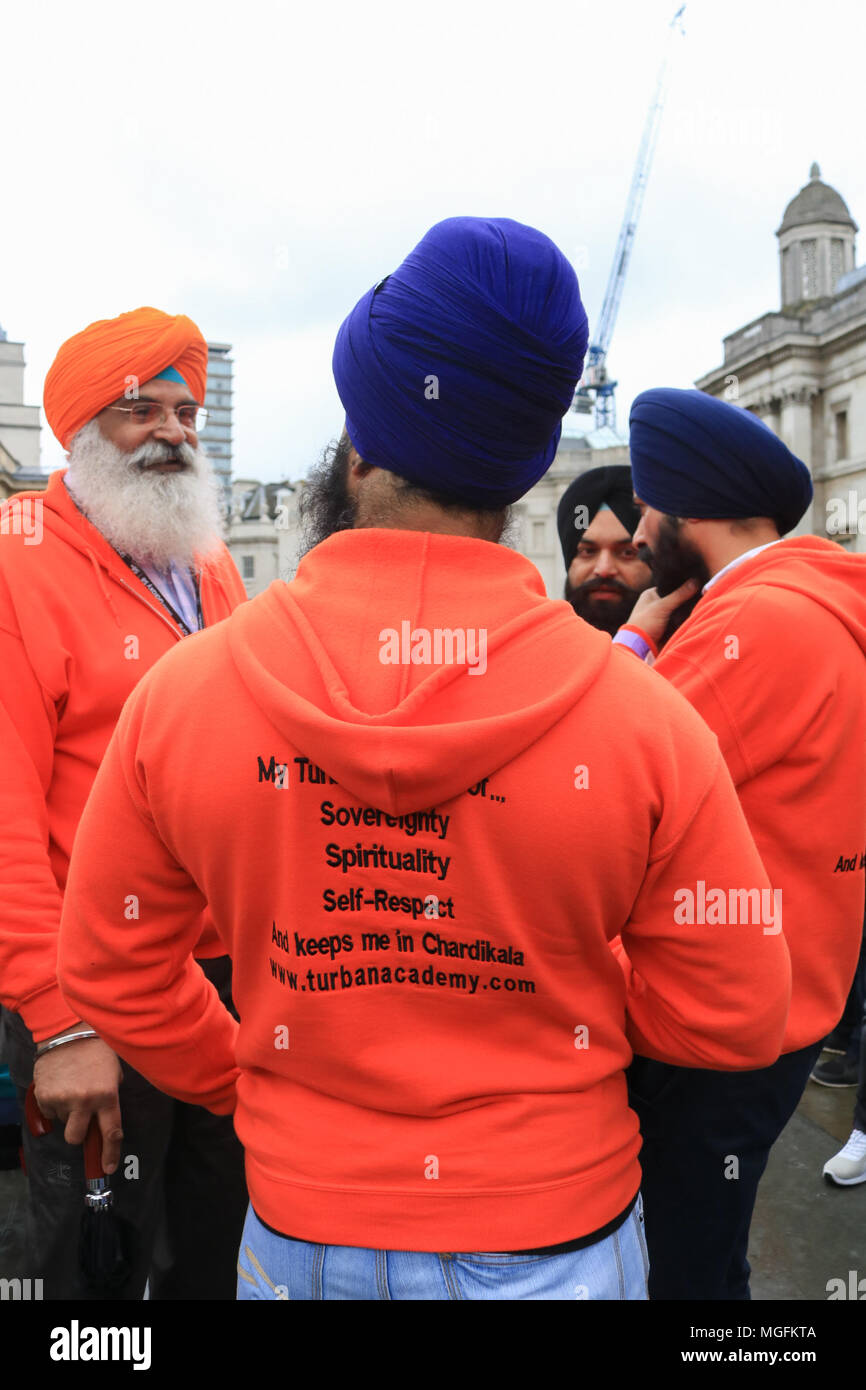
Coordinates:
(711,993)
(31,897)
(131,920)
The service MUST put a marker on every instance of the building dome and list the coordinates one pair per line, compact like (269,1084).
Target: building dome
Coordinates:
(816,202)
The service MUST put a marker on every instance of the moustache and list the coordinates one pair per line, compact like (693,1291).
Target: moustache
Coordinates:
(154,452)
(592,585)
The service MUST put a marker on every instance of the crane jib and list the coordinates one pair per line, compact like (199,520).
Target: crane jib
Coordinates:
(595,378)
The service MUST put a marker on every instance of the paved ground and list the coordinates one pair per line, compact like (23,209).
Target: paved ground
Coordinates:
(805,1231)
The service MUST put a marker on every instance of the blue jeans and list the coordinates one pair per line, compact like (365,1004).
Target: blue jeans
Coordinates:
(274,1267)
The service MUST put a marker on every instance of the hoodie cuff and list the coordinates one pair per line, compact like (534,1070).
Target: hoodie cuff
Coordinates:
(46,1013)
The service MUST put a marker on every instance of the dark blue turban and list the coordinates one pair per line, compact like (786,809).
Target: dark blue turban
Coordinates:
(456,370)
(693,455)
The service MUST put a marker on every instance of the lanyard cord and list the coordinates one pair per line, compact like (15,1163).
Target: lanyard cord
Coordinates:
(151,587)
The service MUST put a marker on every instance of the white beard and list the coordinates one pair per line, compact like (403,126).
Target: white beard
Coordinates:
(157,518)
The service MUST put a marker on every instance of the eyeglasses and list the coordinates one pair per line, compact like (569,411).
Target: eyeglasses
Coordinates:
(191,417)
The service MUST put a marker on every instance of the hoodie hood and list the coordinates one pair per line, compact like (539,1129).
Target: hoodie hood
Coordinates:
(350,662)
(58,513)
(818,569)
(61,516)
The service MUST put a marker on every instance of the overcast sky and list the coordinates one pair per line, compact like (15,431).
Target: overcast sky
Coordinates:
(260,165)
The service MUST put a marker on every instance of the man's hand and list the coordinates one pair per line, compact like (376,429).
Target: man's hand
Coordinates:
(651,613)
(76,1081)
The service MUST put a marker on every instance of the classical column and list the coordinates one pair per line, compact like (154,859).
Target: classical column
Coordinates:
(795,428)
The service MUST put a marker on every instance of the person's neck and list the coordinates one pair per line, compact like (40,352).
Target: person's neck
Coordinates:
(423,517)
(721,548)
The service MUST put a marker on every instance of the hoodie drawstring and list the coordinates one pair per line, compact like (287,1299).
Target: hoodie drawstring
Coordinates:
(106,592)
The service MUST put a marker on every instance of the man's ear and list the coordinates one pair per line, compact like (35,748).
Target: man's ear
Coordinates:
(358,467)
(357,470)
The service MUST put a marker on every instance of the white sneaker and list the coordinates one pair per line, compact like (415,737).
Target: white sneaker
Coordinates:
(848,1166)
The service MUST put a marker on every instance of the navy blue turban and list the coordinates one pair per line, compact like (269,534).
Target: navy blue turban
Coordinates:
(693,455)
(456,370)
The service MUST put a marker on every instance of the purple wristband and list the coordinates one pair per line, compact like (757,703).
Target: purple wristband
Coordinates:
(635,642)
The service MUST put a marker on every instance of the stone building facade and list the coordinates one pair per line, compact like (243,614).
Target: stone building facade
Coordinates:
(19,426)
(264,532)
(802,368)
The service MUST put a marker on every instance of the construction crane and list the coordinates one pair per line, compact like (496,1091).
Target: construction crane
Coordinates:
(595,390)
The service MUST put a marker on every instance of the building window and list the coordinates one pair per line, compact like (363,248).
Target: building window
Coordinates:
(809,267)
(538,535)
(248,566)
(841,434)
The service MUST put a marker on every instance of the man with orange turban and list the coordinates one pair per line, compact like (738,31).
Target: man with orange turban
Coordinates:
(126,561)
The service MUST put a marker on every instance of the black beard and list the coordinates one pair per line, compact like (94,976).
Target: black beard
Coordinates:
(608,615)
(326,506)
(672,562)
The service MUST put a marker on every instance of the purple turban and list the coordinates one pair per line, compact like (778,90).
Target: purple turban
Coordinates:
(456,370)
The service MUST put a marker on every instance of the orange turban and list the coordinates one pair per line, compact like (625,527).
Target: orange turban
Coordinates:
(94,367)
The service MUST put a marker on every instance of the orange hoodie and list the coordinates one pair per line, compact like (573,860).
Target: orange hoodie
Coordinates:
(77,632)
(774,659)
(418,868)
